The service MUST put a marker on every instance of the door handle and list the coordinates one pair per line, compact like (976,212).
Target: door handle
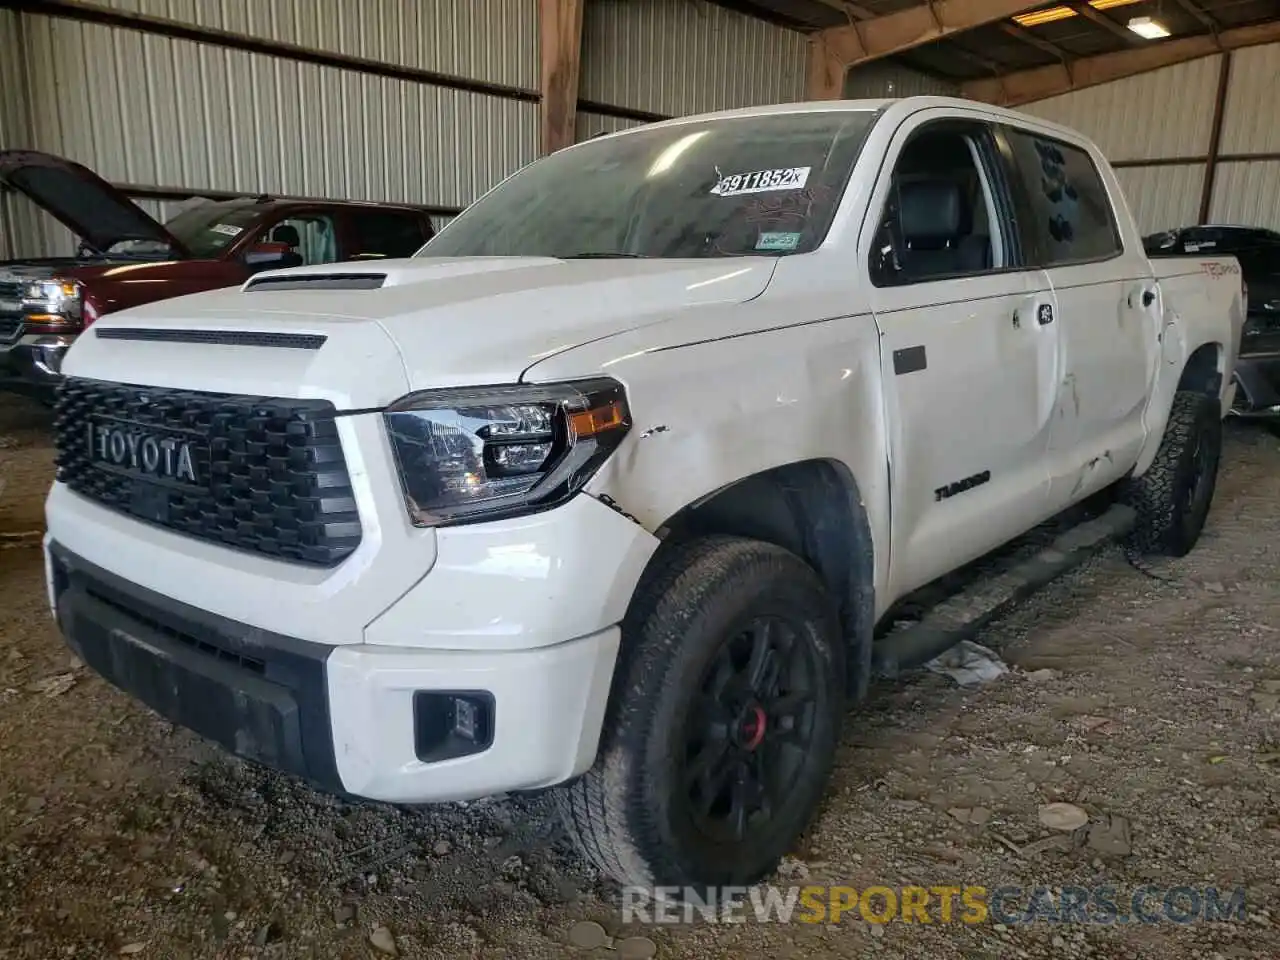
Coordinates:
(1147,295)
(1044,315)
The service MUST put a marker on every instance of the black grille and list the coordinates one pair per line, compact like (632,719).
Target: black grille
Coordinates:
(10,311)
(225,338)
(270,476)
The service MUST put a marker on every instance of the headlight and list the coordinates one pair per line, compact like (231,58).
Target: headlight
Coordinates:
(52,301)
(499,451)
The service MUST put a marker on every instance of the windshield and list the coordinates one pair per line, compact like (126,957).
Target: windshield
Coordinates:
(758,185)
(209,229)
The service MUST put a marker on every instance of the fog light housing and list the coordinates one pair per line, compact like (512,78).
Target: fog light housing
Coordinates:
(451,724)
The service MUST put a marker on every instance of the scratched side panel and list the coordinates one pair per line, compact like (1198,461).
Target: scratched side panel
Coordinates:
(713,411)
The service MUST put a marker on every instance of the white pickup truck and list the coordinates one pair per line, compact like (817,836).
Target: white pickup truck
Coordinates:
(609,486)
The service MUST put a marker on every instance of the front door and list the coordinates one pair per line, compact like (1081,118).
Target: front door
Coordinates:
(1108,309)
(969,350)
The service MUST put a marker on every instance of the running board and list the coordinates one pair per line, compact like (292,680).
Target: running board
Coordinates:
(963,615)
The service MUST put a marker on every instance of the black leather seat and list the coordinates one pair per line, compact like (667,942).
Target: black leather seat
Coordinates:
(287,234)
(936,225)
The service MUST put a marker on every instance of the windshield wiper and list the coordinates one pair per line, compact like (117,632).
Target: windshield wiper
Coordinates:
(603,255)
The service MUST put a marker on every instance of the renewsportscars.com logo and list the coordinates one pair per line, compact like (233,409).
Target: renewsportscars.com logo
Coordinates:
(969,904)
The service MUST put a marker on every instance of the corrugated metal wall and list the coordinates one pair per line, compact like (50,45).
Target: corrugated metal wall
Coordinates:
(1162,198)
(593,124)
(1248,191)
(451,36)
(181,114)
(149,110)
(1120,119)
(884,78)
(1157,127)
(14,126)
(675,57)
(178,113)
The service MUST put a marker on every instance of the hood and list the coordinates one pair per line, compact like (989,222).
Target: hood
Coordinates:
(90,207)
(474,320)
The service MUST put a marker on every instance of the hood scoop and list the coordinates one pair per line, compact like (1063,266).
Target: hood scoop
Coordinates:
(316,281)
(222,338)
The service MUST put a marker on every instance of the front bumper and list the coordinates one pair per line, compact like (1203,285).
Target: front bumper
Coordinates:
(32,365)
(1257,378)
(342,718)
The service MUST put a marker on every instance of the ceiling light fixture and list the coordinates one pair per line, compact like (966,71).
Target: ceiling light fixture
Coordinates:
(1052,14)
(1148,29)
(1043,16)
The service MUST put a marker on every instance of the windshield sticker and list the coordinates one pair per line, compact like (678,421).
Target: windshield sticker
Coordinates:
(226,229)
(761,181)
(778,241)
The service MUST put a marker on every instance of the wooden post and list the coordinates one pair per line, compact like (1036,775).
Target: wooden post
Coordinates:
(1215,137)
(826,73)
(560,30)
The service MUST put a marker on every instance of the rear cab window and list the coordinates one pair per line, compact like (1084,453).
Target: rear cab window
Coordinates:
(386,233)
(1070,218)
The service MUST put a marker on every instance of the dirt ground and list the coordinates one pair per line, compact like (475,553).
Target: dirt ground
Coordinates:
(1149,699)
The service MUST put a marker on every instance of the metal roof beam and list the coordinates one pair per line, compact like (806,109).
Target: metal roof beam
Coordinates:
(883,36)
(1024,35)
(1199,13)
(1106,23)
(1026,86)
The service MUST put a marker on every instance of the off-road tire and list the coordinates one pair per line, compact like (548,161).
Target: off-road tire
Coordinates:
(1171,513)
(627,814)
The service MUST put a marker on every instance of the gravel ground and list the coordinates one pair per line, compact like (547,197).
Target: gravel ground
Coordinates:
(1151,700)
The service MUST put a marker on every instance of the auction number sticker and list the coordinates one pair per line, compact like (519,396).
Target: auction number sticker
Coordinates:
(226,229)
(762,181)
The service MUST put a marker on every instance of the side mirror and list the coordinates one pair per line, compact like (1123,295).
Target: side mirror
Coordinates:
(886,267)
(265,254)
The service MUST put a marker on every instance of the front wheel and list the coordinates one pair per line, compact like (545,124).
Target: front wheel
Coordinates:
(1172,498)
(724,721)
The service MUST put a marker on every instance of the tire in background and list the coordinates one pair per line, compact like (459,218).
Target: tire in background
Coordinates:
(1173,497)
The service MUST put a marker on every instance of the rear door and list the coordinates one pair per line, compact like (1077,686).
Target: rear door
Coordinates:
(970,373)
(1107,311)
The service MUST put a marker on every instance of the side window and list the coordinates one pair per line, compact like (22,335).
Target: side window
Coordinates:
(311,238)
(943,216)
(387,234)
(1071,215)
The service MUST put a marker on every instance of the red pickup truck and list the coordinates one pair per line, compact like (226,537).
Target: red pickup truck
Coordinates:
(127,258)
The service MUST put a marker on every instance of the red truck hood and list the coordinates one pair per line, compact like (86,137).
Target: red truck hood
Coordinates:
(90,207)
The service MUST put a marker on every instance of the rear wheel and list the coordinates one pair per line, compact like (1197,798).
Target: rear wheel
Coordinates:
(1173,497)
(724,722)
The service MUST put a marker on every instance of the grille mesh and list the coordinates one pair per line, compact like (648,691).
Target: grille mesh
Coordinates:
(10,319)
(270,474)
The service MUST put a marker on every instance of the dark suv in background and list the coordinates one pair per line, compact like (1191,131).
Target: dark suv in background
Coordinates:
(1258,250)
(127,258)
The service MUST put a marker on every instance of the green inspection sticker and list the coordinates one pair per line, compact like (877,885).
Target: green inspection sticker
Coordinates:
(778,241)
